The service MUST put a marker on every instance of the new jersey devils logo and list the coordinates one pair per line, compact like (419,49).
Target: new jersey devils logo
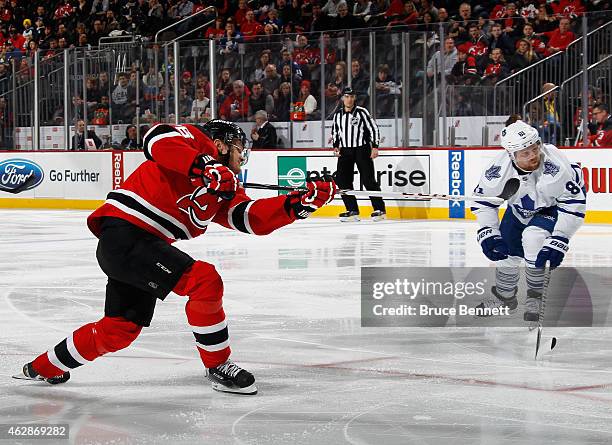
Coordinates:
(200,206)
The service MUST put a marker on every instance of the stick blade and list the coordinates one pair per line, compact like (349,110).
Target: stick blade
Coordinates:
(538,340)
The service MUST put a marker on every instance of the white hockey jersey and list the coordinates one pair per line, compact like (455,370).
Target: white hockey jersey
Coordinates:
(556,182)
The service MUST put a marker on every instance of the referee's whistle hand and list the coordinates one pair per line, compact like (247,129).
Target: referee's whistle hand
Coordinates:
(374,153)
(336,152)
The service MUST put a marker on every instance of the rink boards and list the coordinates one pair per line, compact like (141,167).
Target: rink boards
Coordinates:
(81,180)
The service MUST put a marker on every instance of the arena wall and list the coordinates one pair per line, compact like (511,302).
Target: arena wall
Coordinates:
(81,180)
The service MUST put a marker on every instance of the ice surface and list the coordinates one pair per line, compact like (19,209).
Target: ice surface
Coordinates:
(293,304)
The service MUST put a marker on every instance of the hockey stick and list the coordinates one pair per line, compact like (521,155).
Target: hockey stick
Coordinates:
(510,189)
(31,179)
(547,272)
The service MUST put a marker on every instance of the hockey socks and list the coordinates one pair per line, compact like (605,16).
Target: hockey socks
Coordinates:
(84,345)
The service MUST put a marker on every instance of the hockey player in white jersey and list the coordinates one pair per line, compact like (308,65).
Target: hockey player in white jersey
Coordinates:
(541,217)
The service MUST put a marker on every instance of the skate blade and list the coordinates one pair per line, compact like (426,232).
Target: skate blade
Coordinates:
(23,377)
(379,218)
(249,390)
(349,219)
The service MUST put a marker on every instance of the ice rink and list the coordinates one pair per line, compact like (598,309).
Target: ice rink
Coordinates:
(293,304)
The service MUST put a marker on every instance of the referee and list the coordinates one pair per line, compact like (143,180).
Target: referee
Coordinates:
(356,137)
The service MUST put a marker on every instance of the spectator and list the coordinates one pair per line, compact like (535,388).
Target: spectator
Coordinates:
(497,39)
(224,85)
(294,81)
(269,39)
(272,20)
(93,94)
(282,103)
(286,59)
(203,83)
(97,32)
(103,84)
(217,31)
(512,23)
(601,131)
(434,66)
(259,71)
(320,20)
(476,45)
(187,82)
(484,24)
(250,28)
(523,57)
(229,45)
(263,133)
(427,7)
(408,17)
(386,91)
(271,81)
(551,122)
(496,68)
(302,52)
(536,44)
(543,22)
(235,107)
(185,103)
(241,14)
(182,9)
(130,141)
(123,100)
(360,82)
(258,100)
(560,38)
(283,11)
(465,71)
(346,20)
(339,80)
(79,139)
(200,111)
(310,103)
(459,29)
(151,82)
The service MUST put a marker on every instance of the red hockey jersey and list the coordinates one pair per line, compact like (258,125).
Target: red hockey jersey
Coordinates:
(160,198)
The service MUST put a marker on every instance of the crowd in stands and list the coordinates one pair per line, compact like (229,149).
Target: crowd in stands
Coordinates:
(484,42)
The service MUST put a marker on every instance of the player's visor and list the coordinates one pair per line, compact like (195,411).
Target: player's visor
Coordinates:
(245,151)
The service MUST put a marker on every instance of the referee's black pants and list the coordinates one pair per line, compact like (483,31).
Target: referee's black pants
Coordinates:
(346,173)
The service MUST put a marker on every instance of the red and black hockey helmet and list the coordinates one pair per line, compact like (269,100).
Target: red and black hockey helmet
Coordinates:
(227,132)
(223,130)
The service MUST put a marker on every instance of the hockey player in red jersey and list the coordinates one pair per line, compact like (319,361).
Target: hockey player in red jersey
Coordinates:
(188,181)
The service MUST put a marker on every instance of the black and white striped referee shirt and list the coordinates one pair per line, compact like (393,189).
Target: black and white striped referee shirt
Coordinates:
(354,129)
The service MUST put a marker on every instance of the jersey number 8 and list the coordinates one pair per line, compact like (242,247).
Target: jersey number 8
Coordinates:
(572,188)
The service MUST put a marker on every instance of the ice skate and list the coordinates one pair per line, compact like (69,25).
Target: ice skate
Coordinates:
(349,216)
(494,303)
(229,377)
(532,306)
(28,373)
(378,215)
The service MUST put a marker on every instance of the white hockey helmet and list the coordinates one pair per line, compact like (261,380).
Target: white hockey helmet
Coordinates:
(518,136)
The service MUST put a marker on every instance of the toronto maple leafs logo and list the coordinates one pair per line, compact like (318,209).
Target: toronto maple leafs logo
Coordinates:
(550,169)
(493,172)
(527,207)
